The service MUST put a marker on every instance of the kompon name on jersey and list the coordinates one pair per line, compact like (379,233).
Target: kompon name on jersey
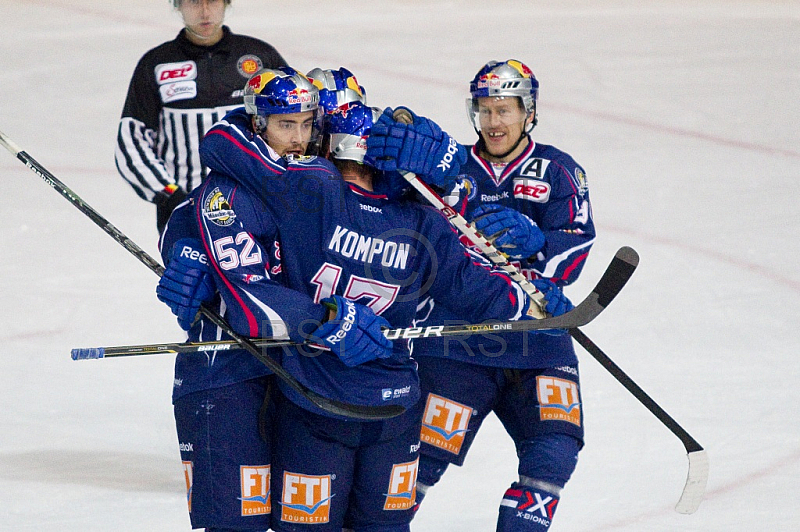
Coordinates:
(355,246)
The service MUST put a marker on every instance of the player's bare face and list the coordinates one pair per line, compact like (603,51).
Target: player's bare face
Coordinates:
(502,121)
(203,20)
(290,133)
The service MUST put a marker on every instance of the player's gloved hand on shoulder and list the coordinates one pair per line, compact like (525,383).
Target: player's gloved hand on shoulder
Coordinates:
(354,333)
(557,304)
(420,147)
(186,283)
(509,230)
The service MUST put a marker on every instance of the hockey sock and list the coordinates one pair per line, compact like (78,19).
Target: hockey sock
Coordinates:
(527,509)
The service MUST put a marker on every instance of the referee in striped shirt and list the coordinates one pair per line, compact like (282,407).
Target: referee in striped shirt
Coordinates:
(178,91)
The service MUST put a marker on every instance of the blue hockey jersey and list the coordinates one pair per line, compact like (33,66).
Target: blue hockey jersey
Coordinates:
(334,238)
(214,368)
(549,187)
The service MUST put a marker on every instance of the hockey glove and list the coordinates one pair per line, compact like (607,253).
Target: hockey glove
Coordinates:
(186,283)
(354,334)
(421,147)
(509,230)
(557,304)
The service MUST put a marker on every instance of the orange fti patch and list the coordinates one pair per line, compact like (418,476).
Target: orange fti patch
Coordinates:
(255,490)
(444,423)
(558,400)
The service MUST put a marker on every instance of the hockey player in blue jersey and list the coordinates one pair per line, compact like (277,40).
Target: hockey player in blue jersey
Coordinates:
(532,200)
(339,242)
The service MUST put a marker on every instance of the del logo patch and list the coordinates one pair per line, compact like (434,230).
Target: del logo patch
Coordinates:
(402,486)
(306,498)
(187,475)
(444,423)
(176,81)
(558,400)
(255,490)
(531,190)
(217,210)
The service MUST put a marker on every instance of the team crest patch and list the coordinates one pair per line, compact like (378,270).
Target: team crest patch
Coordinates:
(583,183)
(402,491)
(558,400)
(217,210)
(255,490)
(247,65)
(306,498)
(444,423)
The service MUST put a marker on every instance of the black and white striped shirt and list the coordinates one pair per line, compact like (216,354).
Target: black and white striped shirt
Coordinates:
(178,91)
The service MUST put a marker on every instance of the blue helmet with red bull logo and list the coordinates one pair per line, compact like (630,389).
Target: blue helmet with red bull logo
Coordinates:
(281,90)
(349,125)
(503,79)
(336,88)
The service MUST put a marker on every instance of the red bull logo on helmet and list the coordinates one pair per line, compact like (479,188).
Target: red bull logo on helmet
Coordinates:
(299,96)
(259,81)
(521,68)
(352,84)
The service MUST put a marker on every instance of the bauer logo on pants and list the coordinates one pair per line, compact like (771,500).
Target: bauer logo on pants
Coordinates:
(558,400)
(444,423)
(255,490)
(305,498)
(402,486)
(187,475)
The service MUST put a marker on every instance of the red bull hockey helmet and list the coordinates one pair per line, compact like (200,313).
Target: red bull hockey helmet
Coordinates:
(503,79)
(281,90)
(336,88)
(349,126)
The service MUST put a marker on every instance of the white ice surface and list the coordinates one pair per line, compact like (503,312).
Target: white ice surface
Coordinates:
(685,115)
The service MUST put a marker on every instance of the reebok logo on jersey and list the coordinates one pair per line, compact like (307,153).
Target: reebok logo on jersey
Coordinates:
(444,423)
(402,486)
(255,490)
(188,477)
(531,190)
(306,498)
(491,198)
(370,208)
(366,248)
(558,400)
(531,505)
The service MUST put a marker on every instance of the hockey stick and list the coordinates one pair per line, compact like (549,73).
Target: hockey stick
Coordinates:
(329,405)
(697,477)
(613,279)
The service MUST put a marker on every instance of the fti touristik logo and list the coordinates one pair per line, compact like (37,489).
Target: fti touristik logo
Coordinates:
(558,400)
(444,423)
(402,486)
(255,490)
(306,498)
